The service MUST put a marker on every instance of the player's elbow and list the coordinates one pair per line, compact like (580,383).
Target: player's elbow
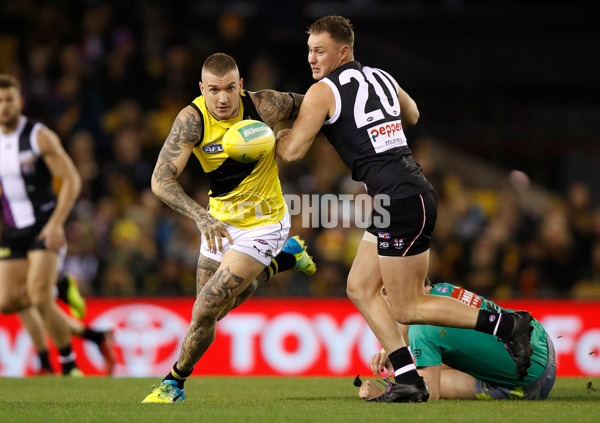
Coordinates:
(289,159)
(289,156)
(411,117)
(156,187)
(77,184)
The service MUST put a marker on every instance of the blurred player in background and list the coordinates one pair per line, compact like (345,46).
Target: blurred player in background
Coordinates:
(67,291)
(362,111)
(33,238)
(239,248)
(466,364)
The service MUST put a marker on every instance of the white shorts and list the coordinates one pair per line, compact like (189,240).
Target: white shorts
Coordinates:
(262,243)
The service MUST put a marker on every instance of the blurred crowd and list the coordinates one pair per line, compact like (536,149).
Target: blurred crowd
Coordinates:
(110,82)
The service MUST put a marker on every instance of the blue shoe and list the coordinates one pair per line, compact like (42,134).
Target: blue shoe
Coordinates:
(166,392)
(297,247)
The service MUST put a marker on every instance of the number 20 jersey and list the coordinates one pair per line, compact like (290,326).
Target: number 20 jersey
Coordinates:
(366,130)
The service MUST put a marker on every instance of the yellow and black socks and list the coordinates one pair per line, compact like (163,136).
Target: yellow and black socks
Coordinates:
(282,262)
(178,376)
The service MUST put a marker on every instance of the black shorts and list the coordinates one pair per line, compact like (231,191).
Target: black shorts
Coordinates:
(404,227)
(16,243)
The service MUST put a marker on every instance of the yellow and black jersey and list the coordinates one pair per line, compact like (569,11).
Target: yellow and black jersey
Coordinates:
(244,195)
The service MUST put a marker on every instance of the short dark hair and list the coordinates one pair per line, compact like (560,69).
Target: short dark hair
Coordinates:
(219,64)
(9,81)
(338,27)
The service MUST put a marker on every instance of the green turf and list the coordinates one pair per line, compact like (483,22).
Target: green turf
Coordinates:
(270,399)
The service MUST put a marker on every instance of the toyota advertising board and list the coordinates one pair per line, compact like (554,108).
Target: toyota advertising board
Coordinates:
(274,337)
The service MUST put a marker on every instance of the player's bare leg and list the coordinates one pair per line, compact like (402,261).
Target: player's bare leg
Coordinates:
(41,278)
(33,323)
(13,295)
(403,280)
(235,273)
(364,289)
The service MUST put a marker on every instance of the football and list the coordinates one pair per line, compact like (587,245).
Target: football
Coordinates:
(248,140)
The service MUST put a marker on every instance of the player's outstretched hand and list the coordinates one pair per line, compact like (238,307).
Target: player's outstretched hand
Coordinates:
(381,363)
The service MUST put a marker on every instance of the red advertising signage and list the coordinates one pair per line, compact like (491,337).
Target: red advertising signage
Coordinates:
(274,337)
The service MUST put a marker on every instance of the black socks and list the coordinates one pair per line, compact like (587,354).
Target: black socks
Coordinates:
(93,335)
(67,359)
(405,370)
(45,360)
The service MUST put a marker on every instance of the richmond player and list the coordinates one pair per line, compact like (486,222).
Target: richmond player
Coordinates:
(240,244)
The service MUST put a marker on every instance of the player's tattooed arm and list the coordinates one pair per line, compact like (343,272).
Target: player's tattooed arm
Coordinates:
(275,106)
(185,132)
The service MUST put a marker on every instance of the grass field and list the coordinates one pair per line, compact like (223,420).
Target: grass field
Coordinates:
(271,399)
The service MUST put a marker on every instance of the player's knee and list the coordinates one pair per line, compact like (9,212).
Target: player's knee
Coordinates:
(357,291)
(205,312)
(8,307)
(36,299)
(353,293)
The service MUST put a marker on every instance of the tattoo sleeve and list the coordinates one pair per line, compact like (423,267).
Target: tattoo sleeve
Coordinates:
(274,106)
(186,131)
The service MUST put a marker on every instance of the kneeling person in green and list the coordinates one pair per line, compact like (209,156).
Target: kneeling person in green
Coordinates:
(464,363)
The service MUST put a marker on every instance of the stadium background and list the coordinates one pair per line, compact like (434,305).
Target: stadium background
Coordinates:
(508,131)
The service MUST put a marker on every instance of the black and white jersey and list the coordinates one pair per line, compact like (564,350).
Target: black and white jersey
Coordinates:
(25,181)
(366,130)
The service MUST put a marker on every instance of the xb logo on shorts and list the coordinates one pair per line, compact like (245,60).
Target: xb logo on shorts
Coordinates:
(383,237)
